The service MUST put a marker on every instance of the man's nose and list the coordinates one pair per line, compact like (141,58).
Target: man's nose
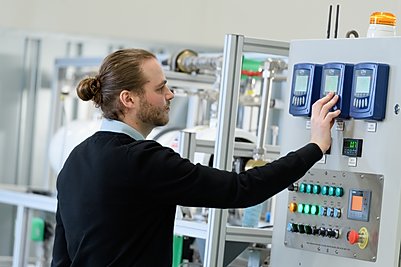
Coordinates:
(170,94)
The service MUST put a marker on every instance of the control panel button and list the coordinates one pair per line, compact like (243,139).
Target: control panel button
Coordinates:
(330,212)
(333,233)
(300,208)
(307,209)
(322,231)
(308,229)
(337,213)
(353,237)
(316,189)
(336,233)
(325,190)
(302,188)
(339,192)
(293,187)
(322,211)
(301,228)
(292,227)
(361,237)
(315,230)
(314,210)
(308,188)
(293,207)
(331,190)
(328,232)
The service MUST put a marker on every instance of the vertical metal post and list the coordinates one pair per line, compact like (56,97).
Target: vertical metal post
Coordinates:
(264,110)
(20,251)
(187,145)
(54,119)
(272,209)
(27,125)
(223,153)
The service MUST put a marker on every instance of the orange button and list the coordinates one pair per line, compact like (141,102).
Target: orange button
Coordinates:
(293,207)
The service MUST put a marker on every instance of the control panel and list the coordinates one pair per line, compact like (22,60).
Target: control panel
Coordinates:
(335,212)
(369,91)
(340,213)
(337,78)
(305,88)
(362,88)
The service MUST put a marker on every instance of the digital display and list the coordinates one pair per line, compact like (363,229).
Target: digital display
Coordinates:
(305,88)
(362,84)
(359,204)
(356,202)
(352,147)
(331,83)
(351,144)
(301,83)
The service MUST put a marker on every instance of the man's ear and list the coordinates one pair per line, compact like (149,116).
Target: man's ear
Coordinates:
(127,99)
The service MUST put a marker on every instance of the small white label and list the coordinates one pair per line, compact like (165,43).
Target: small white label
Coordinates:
(352,162)
(340,125)
(371,127)
(307,124)
(322,160)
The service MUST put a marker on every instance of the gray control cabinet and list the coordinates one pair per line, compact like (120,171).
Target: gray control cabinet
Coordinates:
(368,231)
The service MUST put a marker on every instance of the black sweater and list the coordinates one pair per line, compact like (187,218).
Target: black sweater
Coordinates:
(117,198)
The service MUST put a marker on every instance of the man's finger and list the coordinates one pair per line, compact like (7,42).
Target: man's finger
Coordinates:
(326,107)
(332,115)
(317,106)
(327,98)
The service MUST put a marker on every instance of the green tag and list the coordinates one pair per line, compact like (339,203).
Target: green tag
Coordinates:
(38,229)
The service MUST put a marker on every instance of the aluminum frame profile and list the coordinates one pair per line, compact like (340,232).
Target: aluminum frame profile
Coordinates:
(234,48)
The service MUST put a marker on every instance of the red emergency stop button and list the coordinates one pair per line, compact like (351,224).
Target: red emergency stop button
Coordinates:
(353,237)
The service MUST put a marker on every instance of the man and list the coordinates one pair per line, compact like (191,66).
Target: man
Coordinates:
(117,193)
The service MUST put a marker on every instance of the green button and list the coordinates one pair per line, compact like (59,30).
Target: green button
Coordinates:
(302,188)
(339,192)
(316,189)
(331,190)
(314,210)
(325,190)
(300,208)
(308,188)
(307,208)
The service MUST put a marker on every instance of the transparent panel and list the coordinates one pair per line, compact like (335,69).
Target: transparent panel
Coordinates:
(11,71)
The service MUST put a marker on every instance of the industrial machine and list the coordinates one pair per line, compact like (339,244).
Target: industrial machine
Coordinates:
(345,211)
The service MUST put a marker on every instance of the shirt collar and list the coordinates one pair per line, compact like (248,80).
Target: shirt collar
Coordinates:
(120,127)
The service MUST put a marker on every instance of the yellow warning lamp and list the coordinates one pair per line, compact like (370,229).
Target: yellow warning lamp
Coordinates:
(384,18)
(382,24)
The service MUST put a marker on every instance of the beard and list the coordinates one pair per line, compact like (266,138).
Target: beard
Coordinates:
(157,116)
